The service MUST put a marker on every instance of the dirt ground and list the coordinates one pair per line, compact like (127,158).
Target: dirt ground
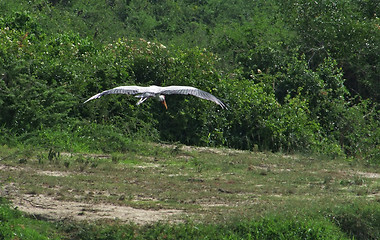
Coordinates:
(53,208)
(50,208)
(47,207)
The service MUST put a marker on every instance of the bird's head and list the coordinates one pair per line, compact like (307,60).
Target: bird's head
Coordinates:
(161,98)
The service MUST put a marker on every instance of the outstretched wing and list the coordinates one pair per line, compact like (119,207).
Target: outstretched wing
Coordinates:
(130,90)
(186,90)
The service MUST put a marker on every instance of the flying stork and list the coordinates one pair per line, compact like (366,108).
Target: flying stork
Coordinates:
(159,93)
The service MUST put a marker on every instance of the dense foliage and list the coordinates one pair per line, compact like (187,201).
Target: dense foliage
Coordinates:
(296,75)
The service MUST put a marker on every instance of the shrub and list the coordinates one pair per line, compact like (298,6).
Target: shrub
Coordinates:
(268,228)
(360,220)
(278,100)
(13,225)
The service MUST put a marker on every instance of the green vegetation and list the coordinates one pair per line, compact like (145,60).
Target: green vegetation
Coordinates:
(13,225)
(291,77)
(299,78)
(271,228)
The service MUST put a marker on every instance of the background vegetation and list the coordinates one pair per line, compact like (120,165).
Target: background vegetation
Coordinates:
(296,75)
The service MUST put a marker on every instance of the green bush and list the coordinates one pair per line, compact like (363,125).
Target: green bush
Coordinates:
(322,29)
(268,228)
(13,225)
(360,220)
(279,97)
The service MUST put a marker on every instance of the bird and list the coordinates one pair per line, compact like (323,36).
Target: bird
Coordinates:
(159,93)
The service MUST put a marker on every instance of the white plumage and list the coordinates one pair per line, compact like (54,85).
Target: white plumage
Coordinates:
(159,93)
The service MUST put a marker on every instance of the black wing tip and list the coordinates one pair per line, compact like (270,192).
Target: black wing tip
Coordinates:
(222,105)
(88,100)
(94,97)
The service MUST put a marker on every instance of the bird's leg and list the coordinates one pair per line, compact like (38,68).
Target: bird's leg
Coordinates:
(142,99)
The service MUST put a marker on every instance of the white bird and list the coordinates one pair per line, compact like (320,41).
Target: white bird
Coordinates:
(159,93)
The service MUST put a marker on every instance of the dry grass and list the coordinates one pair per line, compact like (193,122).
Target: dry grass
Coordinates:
(205,184)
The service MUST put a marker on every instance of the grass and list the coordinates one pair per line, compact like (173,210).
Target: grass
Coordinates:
(217,189)
(269,228)
(13,225)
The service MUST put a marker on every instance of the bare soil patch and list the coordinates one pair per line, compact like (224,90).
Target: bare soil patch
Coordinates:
(50,208)
(47,207)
